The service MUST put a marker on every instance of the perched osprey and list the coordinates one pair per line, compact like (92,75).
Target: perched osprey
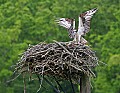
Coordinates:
(83,26)
(69,24)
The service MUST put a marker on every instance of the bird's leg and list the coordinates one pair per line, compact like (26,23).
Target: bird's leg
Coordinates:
(83,41)
(75,39)
(79,39)
(72,42)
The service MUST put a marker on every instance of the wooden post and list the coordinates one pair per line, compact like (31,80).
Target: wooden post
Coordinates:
(24,83)
(85,84)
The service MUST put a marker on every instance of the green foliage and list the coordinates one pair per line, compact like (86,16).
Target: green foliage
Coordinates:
(108,81)
(113,71)
(32,21)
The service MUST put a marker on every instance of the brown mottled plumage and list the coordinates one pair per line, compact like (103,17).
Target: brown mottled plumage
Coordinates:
(86,17)
(83,27)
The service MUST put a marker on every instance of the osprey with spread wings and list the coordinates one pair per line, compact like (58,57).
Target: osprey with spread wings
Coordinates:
(83,26)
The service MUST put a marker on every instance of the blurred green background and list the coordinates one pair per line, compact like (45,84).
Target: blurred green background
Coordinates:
(24,22)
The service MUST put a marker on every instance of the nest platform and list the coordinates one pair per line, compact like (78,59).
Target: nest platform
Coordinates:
(59,59)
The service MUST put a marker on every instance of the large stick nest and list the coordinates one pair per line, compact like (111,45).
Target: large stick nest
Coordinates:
(59,59)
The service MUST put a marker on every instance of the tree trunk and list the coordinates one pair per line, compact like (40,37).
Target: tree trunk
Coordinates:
(85,84)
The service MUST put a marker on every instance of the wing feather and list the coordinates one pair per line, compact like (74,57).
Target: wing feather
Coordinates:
(86,17)
(69,25)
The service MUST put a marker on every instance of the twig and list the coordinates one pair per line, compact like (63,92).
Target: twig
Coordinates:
(59,85)
(51,85)
(69,75)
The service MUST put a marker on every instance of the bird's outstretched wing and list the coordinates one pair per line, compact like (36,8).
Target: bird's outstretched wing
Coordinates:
(69,24)
(86,17)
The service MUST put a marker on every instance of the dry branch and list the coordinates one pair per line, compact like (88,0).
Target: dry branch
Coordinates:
(58,59)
